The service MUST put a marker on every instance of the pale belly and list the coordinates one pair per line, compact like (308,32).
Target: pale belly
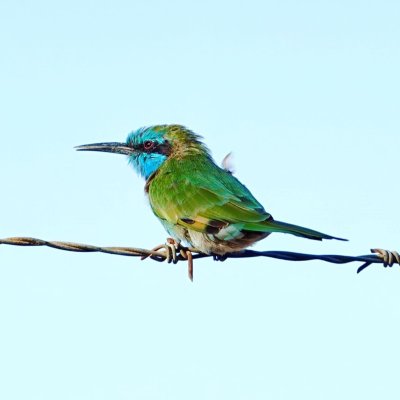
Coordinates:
(210,243)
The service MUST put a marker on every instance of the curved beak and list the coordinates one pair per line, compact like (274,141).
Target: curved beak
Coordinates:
(111,147)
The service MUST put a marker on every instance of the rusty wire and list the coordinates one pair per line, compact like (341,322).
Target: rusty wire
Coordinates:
(161,253)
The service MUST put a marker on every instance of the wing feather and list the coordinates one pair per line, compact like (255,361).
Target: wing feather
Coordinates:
(203,198)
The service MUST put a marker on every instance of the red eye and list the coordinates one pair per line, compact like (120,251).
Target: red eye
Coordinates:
(148,144)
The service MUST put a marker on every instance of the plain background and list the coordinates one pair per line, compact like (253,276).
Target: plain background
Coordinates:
(305,94)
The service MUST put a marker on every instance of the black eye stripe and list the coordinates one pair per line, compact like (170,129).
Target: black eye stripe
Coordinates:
(164,148)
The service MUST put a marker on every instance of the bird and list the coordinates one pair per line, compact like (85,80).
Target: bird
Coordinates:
(200,204)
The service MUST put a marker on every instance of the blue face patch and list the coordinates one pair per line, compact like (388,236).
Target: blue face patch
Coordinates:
(146,162)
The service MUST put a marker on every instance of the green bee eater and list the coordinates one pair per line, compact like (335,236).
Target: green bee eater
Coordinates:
(199,203)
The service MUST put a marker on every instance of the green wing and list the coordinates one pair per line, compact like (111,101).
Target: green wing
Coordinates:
(197,194)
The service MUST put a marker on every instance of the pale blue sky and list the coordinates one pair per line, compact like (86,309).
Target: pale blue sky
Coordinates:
(306,95)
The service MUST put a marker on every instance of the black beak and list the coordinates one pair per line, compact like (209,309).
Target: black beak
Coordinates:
(112,147)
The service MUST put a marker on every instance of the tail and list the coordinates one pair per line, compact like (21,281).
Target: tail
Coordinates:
(278,226)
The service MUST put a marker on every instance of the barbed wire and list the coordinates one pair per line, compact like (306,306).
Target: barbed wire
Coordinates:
(167,252)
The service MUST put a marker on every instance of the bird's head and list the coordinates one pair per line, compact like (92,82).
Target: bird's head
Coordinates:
(147,148)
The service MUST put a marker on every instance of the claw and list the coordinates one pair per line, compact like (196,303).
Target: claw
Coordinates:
(168,253)
(173,246)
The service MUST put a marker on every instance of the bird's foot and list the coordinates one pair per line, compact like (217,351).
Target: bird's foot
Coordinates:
(389,257)
(173,246)
(219,257)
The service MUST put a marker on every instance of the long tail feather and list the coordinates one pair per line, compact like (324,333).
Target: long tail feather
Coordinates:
(283,227)
(296,230)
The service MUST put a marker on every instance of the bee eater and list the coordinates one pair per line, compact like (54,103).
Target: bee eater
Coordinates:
(199,203)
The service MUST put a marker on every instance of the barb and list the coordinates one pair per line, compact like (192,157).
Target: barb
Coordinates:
(163,253)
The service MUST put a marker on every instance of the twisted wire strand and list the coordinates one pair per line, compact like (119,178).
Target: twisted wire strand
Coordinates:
(380,256)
